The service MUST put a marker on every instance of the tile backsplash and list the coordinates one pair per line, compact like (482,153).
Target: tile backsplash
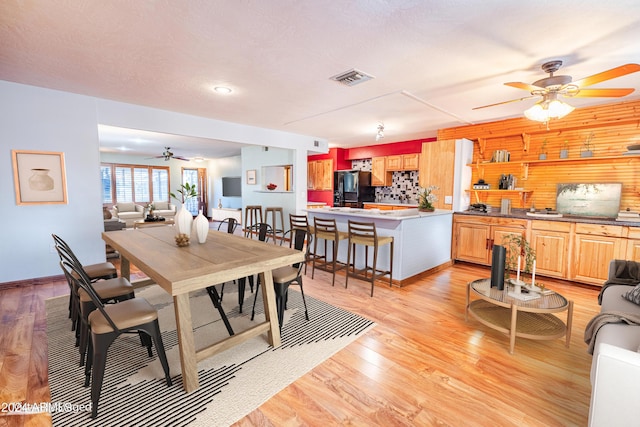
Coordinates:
(404,187)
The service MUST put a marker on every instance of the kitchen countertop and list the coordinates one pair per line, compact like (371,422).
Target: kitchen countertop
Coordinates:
(396,215)
(522,214)
(407,205)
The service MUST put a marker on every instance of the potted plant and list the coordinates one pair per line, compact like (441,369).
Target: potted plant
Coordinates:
(564,151)
(426,199)
(543,150)
(517,247)
(587,146)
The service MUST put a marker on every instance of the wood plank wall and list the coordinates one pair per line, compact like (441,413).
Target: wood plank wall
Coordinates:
(612,126)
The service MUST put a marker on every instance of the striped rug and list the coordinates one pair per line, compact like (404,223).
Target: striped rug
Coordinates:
(232,384)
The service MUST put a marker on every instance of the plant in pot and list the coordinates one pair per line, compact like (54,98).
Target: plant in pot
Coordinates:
(587,146)
(564,151)
(543,150)
(426,199)
(184,219)
(518,248)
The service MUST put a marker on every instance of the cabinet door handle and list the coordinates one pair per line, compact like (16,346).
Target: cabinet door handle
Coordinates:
(486,244)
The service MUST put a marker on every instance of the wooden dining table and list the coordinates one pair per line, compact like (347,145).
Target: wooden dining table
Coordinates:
(181,270)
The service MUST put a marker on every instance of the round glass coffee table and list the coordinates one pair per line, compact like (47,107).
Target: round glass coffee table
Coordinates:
(519,315)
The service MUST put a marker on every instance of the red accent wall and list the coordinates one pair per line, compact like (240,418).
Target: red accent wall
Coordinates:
(379,150)
(340,162)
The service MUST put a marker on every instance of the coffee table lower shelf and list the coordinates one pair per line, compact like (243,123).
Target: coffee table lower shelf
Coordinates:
(535,326)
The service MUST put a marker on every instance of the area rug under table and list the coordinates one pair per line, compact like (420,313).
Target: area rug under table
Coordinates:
(232,383)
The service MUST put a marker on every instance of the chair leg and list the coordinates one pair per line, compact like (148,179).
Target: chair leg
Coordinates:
(253,310)
(215,299)
(304,301)
(153,329)
(100,345)
(373,271)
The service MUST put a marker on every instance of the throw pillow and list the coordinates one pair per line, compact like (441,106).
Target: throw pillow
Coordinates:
(633,295)
(161,206)
(126,207)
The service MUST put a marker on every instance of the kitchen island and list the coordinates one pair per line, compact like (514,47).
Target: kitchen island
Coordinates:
(422,239)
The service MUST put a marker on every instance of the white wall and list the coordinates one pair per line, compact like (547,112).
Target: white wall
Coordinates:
(228,166)
(40,119)
(33,118)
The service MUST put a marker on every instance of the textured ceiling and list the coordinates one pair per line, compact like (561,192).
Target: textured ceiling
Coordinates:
(433,60)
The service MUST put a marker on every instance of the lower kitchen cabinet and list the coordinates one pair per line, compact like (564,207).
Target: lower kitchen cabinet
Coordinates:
(551,241)
(474,237)
(594,246)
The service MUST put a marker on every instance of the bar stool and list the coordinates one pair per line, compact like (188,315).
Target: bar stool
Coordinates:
(364,233)
(274,221)
(327,230)
(252,217)
(302,222)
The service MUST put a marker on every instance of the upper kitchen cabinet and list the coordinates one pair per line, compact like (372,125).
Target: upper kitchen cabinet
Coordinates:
(403,162)
(320,174)
(380,176)
(437,168)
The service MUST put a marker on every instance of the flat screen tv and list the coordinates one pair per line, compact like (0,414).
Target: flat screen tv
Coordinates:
(595,200)
(231,186)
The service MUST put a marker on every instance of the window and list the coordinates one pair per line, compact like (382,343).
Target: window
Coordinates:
(134,183)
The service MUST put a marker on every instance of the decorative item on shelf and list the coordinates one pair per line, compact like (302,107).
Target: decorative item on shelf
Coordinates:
(426,198)
(481,185)
(183,218)
(587,147)
(564,151)
(271,186)
(543,150)
(201,227)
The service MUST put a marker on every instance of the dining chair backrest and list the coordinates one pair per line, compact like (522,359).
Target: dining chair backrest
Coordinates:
(83,282)
(231,225)
(261,229)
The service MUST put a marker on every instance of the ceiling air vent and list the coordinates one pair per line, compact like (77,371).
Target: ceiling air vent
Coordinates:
(352,77)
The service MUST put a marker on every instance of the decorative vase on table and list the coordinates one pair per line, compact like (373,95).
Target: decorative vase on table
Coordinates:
(183,221)
(201,227)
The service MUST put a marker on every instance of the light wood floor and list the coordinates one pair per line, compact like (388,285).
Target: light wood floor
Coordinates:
(421,365)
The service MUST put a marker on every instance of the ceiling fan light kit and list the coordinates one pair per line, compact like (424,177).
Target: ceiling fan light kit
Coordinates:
(380,133)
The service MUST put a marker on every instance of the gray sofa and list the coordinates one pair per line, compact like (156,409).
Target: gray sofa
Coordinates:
(128,212)
(614,335)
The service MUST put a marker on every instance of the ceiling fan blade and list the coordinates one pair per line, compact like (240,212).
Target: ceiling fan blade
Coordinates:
(179,158)
(620,71)
(525,86)
(505,102)
(605,93)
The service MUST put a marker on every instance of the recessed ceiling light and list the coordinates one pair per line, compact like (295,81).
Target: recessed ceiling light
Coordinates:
(222,90)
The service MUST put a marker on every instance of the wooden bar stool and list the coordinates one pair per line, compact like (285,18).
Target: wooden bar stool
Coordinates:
(364,233)
(327,230)
(274,221)
(252,217)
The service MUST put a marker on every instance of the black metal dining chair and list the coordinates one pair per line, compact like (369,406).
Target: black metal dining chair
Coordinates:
(108,322)
(284,277)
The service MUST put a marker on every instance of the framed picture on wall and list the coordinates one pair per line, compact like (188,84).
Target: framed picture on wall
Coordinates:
(39,177)
(251,177)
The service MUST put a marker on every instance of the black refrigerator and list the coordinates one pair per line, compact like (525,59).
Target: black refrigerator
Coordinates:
(352,188)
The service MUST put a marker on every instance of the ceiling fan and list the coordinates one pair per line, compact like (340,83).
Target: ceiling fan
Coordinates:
(168,155)
(550,87)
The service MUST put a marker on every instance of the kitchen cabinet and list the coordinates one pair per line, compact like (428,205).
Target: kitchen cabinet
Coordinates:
(311,175)
(403,162)
(633,244)
(380,177)
(436,168)
(475,236)
(594,246)
(551,242)
(320,174)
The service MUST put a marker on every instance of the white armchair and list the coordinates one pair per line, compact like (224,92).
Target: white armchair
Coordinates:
(167,210)
(128,212)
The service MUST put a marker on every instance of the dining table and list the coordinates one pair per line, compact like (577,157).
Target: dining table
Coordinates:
(179,271)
